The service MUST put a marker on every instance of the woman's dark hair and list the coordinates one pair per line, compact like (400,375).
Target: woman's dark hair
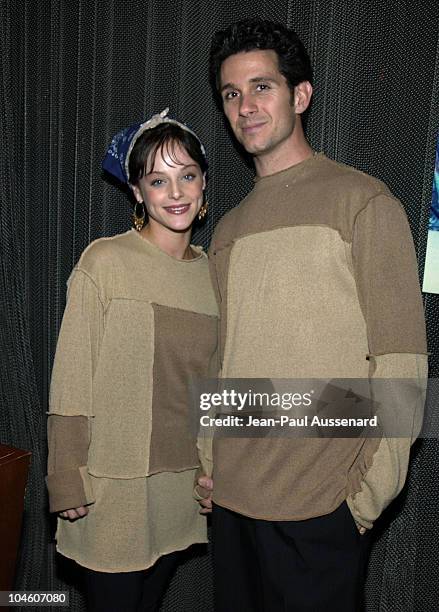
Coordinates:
(253,34)
(169,137)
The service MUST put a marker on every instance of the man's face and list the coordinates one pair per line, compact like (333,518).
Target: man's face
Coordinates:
(257,101)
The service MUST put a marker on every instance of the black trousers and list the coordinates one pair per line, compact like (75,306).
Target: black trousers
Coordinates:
(130,591)
(315,565)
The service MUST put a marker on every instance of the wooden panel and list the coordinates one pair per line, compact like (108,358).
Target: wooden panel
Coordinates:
(14,466)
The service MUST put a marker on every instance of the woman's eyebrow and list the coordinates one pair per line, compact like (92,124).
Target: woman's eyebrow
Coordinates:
(184,166)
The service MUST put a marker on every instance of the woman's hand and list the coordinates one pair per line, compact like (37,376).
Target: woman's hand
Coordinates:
(205,488)
(74,513)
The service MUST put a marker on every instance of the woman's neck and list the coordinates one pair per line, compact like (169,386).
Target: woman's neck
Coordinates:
(175,244)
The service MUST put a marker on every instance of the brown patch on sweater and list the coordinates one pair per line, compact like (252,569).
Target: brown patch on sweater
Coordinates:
(185,347)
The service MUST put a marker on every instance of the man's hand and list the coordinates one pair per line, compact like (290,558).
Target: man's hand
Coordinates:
(205,488)
(361,529)
(74,513)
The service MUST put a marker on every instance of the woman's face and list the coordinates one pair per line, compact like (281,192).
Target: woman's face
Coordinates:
(172,190)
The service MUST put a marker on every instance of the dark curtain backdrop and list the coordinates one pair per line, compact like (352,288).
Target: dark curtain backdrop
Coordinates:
(72,73)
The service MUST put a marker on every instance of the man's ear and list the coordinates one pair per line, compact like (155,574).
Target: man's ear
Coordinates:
(302,97)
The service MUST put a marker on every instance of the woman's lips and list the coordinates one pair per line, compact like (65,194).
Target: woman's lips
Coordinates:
(179,209)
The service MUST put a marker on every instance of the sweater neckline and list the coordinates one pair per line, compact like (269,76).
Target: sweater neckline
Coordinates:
(291,172)
(198,250)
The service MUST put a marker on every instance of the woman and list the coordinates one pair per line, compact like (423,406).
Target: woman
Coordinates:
(140,320)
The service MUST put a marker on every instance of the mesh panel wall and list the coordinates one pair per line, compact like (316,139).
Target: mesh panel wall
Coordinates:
(72,74)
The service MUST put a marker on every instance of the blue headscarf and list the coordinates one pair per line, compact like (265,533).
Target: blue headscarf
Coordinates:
(117,157)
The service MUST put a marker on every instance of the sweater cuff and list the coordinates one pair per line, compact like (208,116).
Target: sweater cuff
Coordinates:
(360,520)
(69,489)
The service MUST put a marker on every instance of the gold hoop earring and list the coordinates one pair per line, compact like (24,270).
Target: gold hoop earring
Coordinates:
(138,219)
(203,211)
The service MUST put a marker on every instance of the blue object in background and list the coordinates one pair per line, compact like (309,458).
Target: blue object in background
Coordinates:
(434,212)
(431,268)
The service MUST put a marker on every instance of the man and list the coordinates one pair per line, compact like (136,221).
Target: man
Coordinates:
(316,277)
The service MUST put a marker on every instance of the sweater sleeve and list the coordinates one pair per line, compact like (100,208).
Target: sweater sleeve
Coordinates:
(385,269)
(67,479)
(71,401)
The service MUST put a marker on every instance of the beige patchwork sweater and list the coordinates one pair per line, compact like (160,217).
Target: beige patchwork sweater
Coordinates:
(137,325)
(316,277)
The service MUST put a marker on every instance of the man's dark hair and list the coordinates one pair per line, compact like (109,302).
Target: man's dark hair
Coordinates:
(167,137)
(253,34)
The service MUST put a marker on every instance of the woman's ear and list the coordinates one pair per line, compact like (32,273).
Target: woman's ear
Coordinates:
(204,180)
(137,193)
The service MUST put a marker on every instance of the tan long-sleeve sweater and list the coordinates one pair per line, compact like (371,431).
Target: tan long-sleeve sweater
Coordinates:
(138,323)
(316,277)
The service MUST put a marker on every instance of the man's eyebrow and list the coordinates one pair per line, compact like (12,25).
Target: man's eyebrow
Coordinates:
(263,78)
(228,86)
(256,79)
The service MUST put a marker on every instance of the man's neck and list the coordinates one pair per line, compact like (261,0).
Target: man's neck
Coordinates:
(290,153)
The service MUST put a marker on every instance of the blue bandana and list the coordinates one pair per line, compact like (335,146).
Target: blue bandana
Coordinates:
(117,157)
